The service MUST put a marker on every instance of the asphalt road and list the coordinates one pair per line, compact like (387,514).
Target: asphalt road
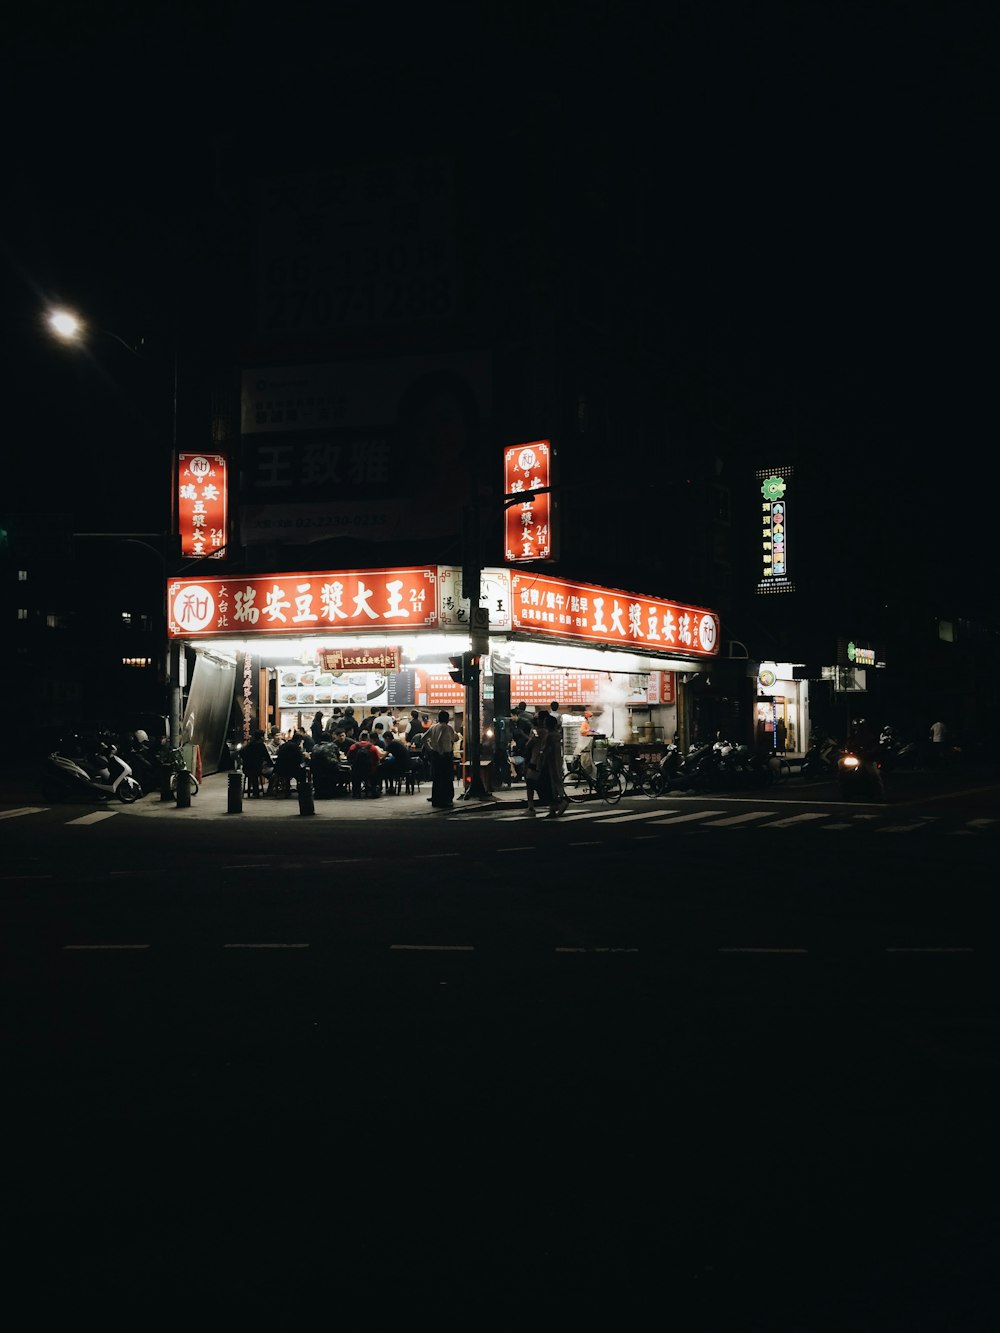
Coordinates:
(688,1066)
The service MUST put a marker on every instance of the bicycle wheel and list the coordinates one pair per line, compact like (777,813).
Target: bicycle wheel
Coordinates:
(576,785)
(192,783)
(610,786)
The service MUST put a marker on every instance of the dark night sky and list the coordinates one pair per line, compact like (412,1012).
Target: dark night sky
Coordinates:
(821,177)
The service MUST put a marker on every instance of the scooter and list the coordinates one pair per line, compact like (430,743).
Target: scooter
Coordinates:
(860,777)
(71,778)
(135,750)
(821,759)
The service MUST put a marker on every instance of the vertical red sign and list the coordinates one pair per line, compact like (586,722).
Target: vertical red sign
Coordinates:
(527,521)
(201,504)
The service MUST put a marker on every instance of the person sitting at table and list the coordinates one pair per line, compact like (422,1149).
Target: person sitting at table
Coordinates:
(364,758)
(290,765)
(328,770)
(257,765)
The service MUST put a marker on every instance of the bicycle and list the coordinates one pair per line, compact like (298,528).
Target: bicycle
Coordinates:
(174,760)
(639,776)
(601,780)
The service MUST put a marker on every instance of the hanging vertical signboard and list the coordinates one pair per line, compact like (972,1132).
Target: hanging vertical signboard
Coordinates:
(201,505)
(528,514)
(773,485)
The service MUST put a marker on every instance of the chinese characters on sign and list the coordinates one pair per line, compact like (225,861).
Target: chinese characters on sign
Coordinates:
(298,603)
(607,617)
(494,594)
(773,486)
(361,659)
(528,522)
(201,504)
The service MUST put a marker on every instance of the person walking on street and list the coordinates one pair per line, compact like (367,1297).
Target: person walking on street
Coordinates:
(534,777)
(439,743)
(552,763)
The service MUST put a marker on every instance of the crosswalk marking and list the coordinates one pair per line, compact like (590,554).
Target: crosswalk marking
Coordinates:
(748,818)
(632,817)
(655,817)
(796,819)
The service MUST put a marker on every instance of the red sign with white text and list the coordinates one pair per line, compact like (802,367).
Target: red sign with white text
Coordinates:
(201,504)
(324,602)
(528,522)
(609,618)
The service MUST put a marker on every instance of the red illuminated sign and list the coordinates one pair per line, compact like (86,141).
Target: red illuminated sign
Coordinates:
(201,504)
(610,618)
(528,522)
(324,602)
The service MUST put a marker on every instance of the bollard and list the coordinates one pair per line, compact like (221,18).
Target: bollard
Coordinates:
(305,794)
(165,792)
(235,793)
(184,790)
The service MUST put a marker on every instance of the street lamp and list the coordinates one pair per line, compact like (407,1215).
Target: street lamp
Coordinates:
(69,327)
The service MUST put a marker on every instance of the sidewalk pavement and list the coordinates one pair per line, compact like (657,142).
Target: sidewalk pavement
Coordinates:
(212,802)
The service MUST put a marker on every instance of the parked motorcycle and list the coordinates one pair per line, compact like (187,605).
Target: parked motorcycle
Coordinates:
(667,779)
(721,766)
(136,751)
(69,776)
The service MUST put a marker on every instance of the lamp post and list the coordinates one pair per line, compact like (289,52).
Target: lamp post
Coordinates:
(70,328)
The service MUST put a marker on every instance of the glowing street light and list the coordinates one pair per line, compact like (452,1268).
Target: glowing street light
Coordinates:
(65,325)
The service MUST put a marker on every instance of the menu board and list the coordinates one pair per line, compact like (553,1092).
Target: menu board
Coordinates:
(308,687)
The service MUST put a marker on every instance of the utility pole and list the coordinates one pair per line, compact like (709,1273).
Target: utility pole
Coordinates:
(471,580)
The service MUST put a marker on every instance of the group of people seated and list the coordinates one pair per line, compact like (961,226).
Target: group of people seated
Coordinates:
(378,755)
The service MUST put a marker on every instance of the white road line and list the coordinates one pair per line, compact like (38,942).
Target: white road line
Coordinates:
(631,818)
(763,951)
(742,819)
(433,948)
(265,946)
(594,948)
(837,827)
(95,818)
(433,856)
(695,814)
(528,847)
(981,823)
(593,842)
(795,819)
(899,828)
(23,810)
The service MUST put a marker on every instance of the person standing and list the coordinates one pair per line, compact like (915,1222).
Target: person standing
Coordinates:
(415,728)
(317,728)
(551,764)
(439,743)
(938,736)
(533,774)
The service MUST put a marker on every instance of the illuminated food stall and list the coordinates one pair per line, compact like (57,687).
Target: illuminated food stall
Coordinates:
(280,647)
